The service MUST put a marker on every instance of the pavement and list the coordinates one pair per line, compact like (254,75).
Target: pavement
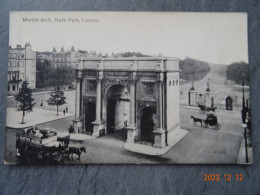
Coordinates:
(35,117)
(241,159)
(77,136)
(42,97)
(178,135)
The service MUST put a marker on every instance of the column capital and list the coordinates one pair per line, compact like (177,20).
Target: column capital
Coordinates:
(100,75)
(160,77)
(78,74)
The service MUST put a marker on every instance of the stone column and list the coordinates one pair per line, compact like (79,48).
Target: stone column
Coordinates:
(131,128)
(159,133)
(208,96)
(77,121)
(98,100)
(208,99)
(132,104)
(98,124)
(192,97)
(77,102)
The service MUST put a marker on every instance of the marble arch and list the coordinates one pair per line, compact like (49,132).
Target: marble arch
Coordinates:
(150,81)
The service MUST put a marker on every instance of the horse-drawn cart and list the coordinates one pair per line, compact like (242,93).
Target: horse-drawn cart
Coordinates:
(41,145)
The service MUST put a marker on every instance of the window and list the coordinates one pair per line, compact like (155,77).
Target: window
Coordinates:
(22,55)
(14,64)
(148,89)
(91,86)
(9,76)
(9,63)
(21,63)
(9,55)
(14,55)
(14,76)
(14,87)
(8,88)
(22,76)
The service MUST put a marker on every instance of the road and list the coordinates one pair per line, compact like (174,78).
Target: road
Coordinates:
(201,145)
(220,88)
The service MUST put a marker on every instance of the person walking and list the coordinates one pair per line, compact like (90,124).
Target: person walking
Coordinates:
(64,112)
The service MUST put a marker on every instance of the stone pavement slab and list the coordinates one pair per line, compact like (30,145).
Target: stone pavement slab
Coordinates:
(150,150)
(35,117)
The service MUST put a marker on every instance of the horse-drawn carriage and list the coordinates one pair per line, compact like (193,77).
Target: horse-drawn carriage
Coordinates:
(203,109)
(211,120)
(43,145)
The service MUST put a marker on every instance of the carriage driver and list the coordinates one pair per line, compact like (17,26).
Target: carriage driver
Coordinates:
(211,119)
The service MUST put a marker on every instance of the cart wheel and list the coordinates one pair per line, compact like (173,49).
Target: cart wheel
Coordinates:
(196,124)
(217,126)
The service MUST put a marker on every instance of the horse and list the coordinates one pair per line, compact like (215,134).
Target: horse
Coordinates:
(197,120)
(77,151)
(211,109)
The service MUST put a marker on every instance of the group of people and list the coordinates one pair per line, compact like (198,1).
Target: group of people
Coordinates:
(65,110)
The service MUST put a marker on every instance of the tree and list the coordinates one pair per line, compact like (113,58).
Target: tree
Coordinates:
(63,75)
(57,98)
(238,72)
(193,70)
(24,97)
(44,74)
(48,76)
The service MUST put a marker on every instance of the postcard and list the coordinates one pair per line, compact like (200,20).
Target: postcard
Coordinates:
(128,88)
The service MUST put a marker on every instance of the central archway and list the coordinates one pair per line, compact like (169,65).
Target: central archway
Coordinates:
(117,108)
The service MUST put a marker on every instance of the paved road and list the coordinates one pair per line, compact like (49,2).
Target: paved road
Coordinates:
(219,87)
(201,145)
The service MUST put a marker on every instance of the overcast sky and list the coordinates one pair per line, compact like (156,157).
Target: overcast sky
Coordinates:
(214,37)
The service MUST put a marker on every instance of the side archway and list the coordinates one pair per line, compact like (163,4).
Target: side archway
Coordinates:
(147,124)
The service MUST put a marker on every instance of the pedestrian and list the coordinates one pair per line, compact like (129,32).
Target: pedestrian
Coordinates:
(64,111)
(67,109)
(71,129)
(41,103)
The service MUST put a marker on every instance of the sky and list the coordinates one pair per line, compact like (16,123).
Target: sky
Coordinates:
(219,38)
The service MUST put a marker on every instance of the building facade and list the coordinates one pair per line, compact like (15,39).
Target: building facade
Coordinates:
(68,58)
(21,67)
(139,94)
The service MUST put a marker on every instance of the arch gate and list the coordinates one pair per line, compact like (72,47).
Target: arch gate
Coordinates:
(139,94)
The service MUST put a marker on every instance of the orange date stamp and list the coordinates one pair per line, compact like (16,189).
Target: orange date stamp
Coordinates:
(225,177)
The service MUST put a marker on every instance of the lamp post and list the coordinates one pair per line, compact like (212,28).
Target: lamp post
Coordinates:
(244,114)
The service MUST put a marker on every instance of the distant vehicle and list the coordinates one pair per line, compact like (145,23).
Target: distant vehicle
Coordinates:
(41,145)
(204,109)
(211,120)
